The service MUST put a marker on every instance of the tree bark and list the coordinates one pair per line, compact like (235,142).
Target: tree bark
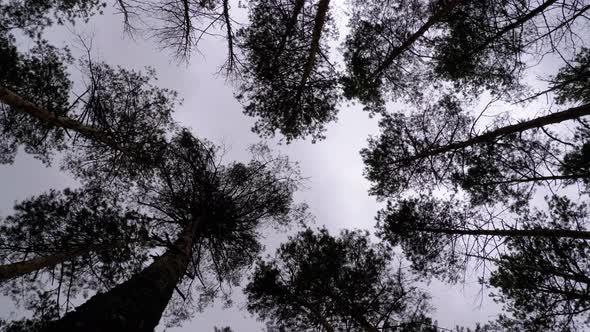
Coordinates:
(569,114)
(137,304)
(540,232)
(11,271)
(22,105)
(437,17)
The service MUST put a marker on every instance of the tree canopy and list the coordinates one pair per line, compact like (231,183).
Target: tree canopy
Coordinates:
(162,225)
(320,282)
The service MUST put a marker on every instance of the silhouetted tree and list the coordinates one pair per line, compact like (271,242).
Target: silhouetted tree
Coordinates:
(118,113)
(318,282)
(34,17)
(289,83)
(58,227)
(539,259)
(68,243)
(44,311)
(215,211)
(409,48)
(438,236)
(119,122)
(439,146)
(543,282)
(396,50)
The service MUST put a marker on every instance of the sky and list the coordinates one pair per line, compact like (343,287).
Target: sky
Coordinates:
(335,190)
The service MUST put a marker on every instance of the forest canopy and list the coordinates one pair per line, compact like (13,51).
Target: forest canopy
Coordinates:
(481,164)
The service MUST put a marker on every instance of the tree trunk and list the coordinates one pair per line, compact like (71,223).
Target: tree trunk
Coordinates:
(569,114)
(22,105)
(137,304)
(541,232)
(437,17)
(320,20)
(10,271)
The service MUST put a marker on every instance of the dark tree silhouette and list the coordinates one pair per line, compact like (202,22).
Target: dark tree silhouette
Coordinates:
(319,282)
(70,226)
(215,210)
(288,81)
(44,310)
(543,282)
(378,51)
(540,270)
(65,244)
(439,236)
(439,146)
(406,48)
(116,115)
(34,17)
(41,76)
(119,126)
(113,122)
(396,50)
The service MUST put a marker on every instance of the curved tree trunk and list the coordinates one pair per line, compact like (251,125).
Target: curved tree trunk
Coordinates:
(137,304)
(10,271)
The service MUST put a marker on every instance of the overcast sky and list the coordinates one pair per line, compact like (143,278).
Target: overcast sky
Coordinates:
(336,190)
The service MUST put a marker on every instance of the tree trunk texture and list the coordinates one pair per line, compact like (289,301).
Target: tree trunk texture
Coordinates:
(137,304)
